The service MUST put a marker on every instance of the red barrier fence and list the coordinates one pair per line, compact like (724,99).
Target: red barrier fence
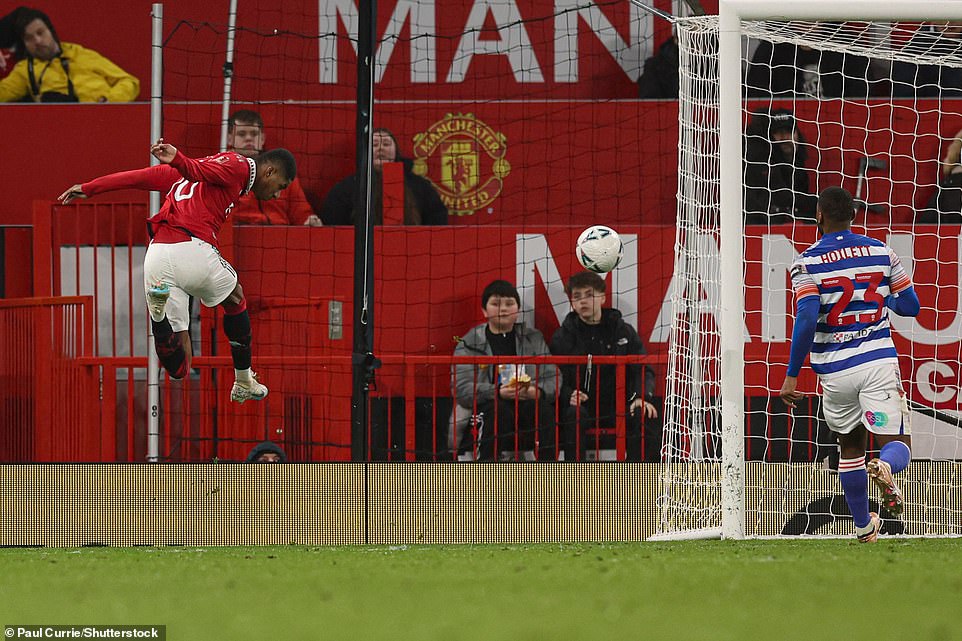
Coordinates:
(47,395)
(93,409)
(63,405)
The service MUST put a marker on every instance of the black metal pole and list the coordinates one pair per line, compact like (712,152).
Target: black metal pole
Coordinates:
(363,361)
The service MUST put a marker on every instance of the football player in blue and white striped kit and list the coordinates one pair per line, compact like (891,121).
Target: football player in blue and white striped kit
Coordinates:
(844,285)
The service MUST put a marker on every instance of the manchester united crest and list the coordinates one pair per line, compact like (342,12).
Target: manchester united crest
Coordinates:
(467,158)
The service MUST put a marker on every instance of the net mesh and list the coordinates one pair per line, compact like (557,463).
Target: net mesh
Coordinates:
(874,107)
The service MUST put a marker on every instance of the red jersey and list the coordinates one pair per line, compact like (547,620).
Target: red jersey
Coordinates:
(200,193)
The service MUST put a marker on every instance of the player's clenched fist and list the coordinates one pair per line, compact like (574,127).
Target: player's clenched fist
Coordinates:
(163,151)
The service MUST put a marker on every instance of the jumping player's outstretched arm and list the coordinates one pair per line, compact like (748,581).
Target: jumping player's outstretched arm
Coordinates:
(222,169)
(157,178)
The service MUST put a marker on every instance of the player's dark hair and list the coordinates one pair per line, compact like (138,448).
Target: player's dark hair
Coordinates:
(836,205)
(585,279)
(500,288)
(26,15)
(280,158)
(245,116)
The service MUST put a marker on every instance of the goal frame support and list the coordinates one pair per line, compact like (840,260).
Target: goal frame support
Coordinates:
(731,246)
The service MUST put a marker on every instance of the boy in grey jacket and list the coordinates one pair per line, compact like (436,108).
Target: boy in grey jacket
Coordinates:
(514,402)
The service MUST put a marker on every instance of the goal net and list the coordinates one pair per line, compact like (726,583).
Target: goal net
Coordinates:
(871,106)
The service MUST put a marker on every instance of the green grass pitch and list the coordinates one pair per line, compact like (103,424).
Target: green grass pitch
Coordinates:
(707,590)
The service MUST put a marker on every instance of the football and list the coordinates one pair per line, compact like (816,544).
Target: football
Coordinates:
(599,249)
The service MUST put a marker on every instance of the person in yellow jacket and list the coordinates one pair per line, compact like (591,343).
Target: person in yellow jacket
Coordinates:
(62,72)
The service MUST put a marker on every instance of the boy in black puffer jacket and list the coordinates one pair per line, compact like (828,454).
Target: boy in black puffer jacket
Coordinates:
(588,392)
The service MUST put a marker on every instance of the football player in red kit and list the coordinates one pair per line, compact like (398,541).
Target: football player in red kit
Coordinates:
(182,259)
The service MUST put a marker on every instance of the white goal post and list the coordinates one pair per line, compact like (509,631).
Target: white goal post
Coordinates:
(703,493)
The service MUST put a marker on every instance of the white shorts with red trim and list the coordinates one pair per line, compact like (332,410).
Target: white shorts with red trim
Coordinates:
(872,395)
(191,268)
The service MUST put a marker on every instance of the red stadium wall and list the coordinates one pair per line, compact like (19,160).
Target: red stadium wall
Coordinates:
(571,162)
(546,182)
(579,152)
(590,175)
(121,31)
(426,293)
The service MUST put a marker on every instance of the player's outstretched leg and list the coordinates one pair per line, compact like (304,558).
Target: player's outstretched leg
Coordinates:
(893,458)
(168,344)
(237,327)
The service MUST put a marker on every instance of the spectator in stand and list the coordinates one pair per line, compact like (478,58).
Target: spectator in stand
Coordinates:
(512,401)
(945,205)
(660,76)
(267,452)
(422,204)
(52,71)
(245,135)
(588,394)
(776,181)
(930,80)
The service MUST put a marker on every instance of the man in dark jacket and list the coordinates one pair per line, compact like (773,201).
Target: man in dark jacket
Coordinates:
(588,392)
(776,180)
(660,76)
(422,203)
